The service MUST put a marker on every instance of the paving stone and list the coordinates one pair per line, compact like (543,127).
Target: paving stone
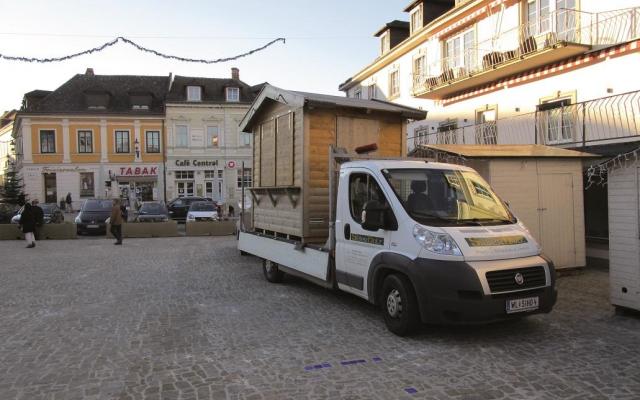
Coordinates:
(188,318)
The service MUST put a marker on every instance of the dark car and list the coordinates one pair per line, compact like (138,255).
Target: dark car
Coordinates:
(52,213)
(7,211)
(179,207)
(92,216)
(152,211)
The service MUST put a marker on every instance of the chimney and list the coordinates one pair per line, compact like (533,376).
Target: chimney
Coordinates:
(235,73)
(89,72)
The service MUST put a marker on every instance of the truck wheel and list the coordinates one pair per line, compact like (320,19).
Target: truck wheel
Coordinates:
(399,305)
(271,271)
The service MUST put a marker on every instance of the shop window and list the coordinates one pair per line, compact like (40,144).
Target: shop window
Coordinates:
(85,142)
(185,189)
(184,174)
(122,142)
(47,141)
(153,141)
(213,136)
(247,178)
(87,184)
(182,136)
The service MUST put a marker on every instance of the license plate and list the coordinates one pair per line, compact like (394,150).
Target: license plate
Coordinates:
(93,226)
(520,305)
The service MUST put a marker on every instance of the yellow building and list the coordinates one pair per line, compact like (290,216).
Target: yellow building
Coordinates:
(96,136)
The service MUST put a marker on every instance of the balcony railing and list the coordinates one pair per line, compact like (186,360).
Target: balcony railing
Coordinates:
(576,125)
(558,35)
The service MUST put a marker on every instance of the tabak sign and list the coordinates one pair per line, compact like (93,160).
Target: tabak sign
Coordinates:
(138,171)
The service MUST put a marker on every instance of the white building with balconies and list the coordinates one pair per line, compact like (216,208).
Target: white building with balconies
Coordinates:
(552,72)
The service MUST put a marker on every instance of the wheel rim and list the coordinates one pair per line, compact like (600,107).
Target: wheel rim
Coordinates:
(394,303)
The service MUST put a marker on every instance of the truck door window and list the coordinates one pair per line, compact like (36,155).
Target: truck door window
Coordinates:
(363,188)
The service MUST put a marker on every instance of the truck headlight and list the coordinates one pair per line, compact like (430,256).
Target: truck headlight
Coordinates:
(439,243)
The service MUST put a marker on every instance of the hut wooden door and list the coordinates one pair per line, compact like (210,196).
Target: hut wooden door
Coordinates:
(557,228)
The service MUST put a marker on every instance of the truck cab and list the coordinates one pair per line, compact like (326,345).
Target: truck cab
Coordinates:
(433,242)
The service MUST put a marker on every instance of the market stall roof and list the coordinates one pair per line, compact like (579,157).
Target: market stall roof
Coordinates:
(503,151)
(301,99)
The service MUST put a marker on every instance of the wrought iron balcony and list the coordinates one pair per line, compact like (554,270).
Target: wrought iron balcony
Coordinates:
(614,118)
(554,37)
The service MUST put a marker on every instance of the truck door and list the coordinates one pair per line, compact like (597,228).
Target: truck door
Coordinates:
(355,246)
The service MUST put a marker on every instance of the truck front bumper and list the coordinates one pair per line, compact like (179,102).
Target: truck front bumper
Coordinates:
(453,293)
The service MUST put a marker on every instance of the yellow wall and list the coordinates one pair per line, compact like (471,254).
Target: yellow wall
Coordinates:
(93,124)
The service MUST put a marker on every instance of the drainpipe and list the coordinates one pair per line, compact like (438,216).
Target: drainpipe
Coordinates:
(164,161)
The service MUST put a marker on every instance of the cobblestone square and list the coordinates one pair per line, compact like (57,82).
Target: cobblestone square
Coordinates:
(188,318)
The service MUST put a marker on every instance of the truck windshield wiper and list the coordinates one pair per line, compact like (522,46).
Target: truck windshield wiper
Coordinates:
(481,221)
(433,216)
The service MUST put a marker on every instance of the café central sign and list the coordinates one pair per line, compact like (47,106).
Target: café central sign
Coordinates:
(197,163)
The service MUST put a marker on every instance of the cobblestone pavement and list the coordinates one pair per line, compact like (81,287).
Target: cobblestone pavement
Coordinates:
(188,318)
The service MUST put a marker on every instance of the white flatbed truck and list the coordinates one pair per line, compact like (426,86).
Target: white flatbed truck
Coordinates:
(427,242)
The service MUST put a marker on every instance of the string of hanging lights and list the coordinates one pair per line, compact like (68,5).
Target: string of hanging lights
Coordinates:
(597,173)
(140,48)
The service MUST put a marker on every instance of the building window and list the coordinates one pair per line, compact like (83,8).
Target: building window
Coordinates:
(538,16)
(85,142)
(194,93)
(47,141)
(557,119)
(416,19)
(447,132)
(220,173)
(245,139)
(86,184)
(419,69)
(371,91)
(184,174)
(394,83)
(209,174)
(182,136)
(233,94)
(486,126)
(122,142)
(185,189)
(357,94)
(213,136)
(153,141)
(385,43)
(461,53)
(247,178)
(420,135)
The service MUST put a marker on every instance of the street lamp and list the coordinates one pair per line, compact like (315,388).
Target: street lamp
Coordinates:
(137,145)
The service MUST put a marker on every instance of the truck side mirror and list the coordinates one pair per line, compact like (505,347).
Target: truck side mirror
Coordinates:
(373,216)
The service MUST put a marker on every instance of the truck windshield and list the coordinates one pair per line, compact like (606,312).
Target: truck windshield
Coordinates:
(438,197)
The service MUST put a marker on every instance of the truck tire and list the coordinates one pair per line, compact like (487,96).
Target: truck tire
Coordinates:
(271,271)
(399,305)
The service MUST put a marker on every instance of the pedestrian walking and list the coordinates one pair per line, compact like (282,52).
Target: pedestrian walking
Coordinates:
(69,202)
(116,221)
(28,223)
(38,214)
(63,204)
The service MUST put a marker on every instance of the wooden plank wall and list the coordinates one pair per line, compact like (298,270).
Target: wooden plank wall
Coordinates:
(326,127)
(276,162)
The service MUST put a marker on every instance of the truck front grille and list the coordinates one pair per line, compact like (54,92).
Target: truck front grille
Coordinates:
(505,280)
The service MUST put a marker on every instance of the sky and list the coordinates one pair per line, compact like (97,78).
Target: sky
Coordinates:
(327,40)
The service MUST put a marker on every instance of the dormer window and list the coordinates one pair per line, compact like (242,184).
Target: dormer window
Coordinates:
(233,94)
(385,43)
(416,18)
(194,93)
(140,101)
(96,99)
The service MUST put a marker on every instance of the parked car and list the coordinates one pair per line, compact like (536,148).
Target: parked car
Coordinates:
(202,211)
(93,215)
(52,214)
(152,211)
(7,211)
(179,207)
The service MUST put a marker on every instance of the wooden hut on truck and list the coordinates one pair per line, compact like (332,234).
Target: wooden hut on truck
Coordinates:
(292,133)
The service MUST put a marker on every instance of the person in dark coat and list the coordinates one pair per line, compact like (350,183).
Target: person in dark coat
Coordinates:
(28,223)
(116,221)
(69,202)
(38,214)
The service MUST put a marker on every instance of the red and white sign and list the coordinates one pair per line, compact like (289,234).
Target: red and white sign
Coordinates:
(231,164)
(138,171)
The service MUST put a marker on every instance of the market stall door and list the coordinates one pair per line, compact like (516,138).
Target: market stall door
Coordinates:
(557,229)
